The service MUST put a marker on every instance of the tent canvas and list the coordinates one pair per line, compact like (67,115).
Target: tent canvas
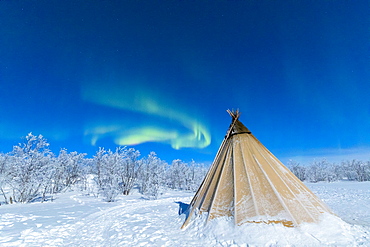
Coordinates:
(247,182)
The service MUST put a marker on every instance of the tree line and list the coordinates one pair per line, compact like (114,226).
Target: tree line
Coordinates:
(323,170)
(31,172)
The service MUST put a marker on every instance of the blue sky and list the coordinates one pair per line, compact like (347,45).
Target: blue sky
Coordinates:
(159,75)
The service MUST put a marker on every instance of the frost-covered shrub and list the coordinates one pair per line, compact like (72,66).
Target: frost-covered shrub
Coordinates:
(109,192)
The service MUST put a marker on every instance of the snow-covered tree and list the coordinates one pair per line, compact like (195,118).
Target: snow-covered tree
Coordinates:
(116,171)
(181,175)
(367,171)
(151,176)
(86,176)
(68,169)
(297,169)
(29,163)
(4,175)
(107,178)
(128,169)
(320,171)
(176,174)
(46,177)
(195,175)
(99,163)
(356,170)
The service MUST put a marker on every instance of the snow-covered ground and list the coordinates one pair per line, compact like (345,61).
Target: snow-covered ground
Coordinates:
(74,219)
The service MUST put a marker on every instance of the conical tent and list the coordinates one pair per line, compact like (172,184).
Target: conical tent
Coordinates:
(246,181)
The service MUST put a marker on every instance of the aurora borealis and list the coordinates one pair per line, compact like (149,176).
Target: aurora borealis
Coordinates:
(159,75)
(139,99)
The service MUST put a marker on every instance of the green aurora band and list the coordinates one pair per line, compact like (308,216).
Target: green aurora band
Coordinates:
(141,100)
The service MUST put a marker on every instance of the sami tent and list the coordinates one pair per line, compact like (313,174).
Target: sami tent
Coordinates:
(247,182)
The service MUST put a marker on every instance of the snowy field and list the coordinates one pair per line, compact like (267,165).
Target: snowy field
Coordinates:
(74,219)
